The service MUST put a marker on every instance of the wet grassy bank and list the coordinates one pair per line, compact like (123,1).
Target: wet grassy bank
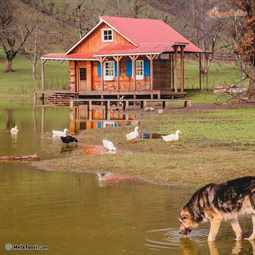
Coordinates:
(216,144)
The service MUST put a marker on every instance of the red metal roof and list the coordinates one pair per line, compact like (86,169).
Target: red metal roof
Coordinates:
(144,30)
(149,35)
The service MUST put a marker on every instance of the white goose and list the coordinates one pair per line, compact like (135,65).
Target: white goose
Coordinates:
(172,137)
(59,133)
(133,135)
(103,176)
(108,145)
(149,109)
(14,131)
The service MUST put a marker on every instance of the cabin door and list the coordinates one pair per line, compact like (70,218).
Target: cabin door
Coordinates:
(82,76)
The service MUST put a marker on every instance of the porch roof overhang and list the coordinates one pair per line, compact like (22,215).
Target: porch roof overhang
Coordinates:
(144,49)
(69,57)
(123,50)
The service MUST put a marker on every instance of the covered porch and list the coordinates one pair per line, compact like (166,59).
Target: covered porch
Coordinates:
(162,75)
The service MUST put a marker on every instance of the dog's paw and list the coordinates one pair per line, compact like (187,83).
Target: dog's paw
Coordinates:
(210,239)
(250,238)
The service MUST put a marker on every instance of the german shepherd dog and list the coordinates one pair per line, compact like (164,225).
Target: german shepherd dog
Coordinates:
(217,202)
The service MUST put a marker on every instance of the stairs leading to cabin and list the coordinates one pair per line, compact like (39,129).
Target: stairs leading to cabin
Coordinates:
(61,98)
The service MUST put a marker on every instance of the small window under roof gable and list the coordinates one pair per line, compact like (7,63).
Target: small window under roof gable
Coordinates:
(107,35)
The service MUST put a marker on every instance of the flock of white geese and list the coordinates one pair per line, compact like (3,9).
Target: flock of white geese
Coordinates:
(107,144)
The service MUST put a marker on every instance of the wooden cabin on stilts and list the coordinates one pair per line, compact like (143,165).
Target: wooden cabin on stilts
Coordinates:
(128,58)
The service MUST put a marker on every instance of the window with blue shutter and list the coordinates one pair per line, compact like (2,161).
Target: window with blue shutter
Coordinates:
(147,71)
(128,68)
(115,68)
(99,70)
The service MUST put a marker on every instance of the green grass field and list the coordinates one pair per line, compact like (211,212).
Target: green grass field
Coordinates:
(20,83)
(219,74)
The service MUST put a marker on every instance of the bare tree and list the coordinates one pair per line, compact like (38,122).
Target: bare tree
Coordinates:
(246,44)
(10,36)
(85,15)
(34,48)
(137,7)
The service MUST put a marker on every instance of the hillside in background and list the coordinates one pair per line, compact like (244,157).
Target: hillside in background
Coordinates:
(188,17)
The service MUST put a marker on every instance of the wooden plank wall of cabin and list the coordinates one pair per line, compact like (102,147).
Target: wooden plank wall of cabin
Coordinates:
(162,74)
(94,41)
(125,83)
(88,66)
(72,76)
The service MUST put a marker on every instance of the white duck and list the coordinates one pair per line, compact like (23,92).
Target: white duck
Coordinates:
(149,109)
(103,176)
(172,137)
(59,133)
(14,131)
(133,135)
(108,145)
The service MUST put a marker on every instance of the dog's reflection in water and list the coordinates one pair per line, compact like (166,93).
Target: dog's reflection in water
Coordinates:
(190,247)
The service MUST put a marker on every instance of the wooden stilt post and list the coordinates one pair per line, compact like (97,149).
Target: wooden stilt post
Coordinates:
(206,69)
(42,120)
(118,73)
(182,68)
(102,72)
(170,61)
(172,71)
(134,58)
(134,71)
(175,68)
(43,75)
(151,73)
(90,110)
(108,109)
(117,59)
(34,119)
(151,58)
(76,119)
(34,100)
(200,71)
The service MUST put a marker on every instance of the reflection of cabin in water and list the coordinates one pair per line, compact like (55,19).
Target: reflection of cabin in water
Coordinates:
(81,118)
(127,56)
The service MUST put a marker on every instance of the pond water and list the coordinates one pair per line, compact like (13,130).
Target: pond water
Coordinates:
(73,214)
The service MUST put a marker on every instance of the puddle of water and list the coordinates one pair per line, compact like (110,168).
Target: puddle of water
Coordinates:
(35,128)
(71,213)
(170,237)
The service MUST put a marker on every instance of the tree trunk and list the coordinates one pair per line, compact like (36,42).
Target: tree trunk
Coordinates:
(34,71)
(34,65)
(251,89)
(8,66)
